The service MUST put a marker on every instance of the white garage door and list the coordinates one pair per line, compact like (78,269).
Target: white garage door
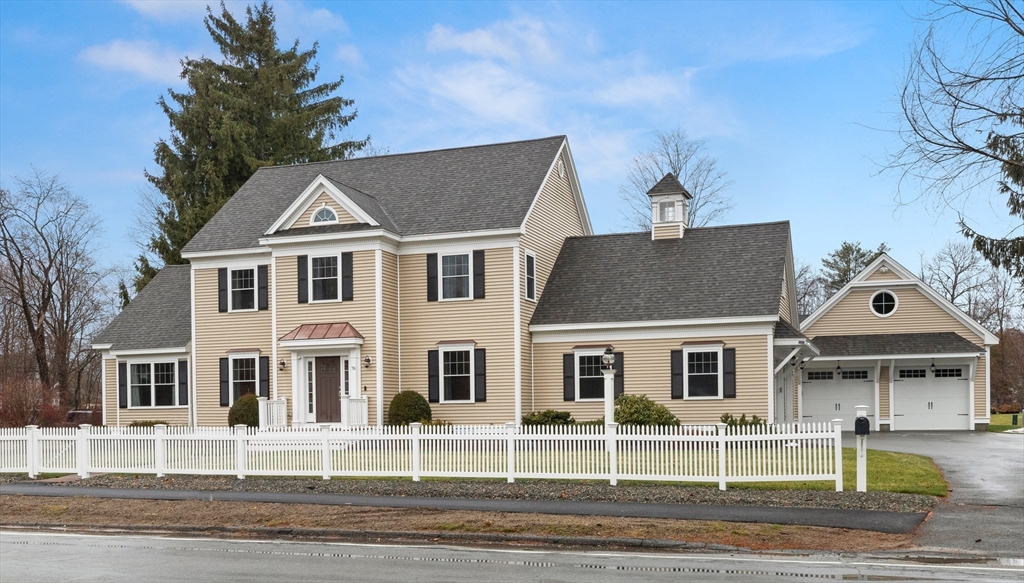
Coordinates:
(828,395)
(938,400)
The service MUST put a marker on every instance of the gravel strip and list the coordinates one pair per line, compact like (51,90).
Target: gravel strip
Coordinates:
(525,490)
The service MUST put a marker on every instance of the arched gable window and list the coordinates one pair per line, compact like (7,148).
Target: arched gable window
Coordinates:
(325,215)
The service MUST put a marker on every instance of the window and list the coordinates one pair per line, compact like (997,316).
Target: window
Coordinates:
(948,373)
(310,385)
(153,384)
(325,215)
(243,376)
(667,211)
(243,289)
(703,378)
(883,303)
(455,276)
(325,278)
(913,373)
(854,375)
(589,377)
(819,375)
(457,375)
(531,276)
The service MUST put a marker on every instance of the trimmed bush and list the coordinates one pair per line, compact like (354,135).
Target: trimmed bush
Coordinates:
(548,417)
(408,407)
(436,423)
(742,421)
(149,423)
(640,410)
(245,411)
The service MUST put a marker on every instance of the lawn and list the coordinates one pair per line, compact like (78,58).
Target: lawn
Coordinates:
(1004,422)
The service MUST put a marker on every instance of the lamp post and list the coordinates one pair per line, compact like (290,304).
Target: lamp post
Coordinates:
(608,360)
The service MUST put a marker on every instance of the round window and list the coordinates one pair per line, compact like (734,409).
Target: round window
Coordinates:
(325,215)
(883,303)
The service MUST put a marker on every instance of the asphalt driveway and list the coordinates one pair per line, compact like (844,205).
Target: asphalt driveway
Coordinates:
(985,510)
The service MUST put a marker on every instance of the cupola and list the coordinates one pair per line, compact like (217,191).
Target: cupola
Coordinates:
(669,207)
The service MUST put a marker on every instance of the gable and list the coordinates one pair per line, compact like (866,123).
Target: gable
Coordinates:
(319,193)
(881,272)
(322,201)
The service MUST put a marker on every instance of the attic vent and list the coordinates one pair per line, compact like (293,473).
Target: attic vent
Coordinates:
(561,169)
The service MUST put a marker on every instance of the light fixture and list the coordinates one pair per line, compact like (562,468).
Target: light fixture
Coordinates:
(281,364)
(367,362)
(608,358)
(933,366)
(792,361)
(839,370)
(803,364)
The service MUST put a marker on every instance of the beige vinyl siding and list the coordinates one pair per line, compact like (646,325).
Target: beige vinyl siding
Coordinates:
(360,312)
(216,334)
(916,313)
(488,321)
(389,303)
(784,311)
(883,393)
(666,231)
(172,416)
(343,215)
(980,411)
(879,275)
(555,217)
(647,370)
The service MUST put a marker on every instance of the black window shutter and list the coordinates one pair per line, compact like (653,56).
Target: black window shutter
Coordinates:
(183,382)
(265,376)
(729,373)
(303,279)
(677,374)
(224,383)
(478,275)
(480,374)
(222,289)
(433,376)
(346,276)
(122,385)
(261,287)
(619,385)
(568,377)
(431,277)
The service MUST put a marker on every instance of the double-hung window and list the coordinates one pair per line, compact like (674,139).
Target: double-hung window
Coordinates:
(531,276)
(153,384)
(455,279)
(243,289)
(325,278)
(589,375)
(457,375)
(702,377)
(243,376)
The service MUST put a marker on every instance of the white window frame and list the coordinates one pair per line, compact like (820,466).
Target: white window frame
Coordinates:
(687,350)
(440,276)
(312,218)
(309,283)
(309,377)
(871,303)
(576,372)
(526,269)
(152,383)
(255,288)
(662,206)
(231,372)
(441,350)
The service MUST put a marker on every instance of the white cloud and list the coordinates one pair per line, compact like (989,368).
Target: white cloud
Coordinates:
(645,88)
(145,59)
(295,20)
(350,54)
(171,9)
(507,40)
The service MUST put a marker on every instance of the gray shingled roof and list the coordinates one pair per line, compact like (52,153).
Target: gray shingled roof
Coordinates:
(441,191)
(894,344)
(710,272)
(159,317)
(669,184)
(784,329)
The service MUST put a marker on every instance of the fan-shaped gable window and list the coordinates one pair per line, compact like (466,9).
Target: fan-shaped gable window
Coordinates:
(325,215)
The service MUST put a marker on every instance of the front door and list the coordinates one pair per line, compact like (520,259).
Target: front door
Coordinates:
(328,384)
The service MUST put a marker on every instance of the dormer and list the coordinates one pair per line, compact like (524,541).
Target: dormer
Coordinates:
(326,202)
(669,207)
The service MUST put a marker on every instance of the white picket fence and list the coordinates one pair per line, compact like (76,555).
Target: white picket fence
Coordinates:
(689,453)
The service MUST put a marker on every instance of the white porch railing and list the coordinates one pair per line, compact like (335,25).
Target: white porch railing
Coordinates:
(354,411)
(273,413)
(689,453)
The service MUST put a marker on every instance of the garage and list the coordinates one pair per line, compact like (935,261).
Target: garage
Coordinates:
(830,394)
(930,398)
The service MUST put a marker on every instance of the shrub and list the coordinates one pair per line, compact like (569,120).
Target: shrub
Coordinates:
(548,417)
(408,407)
(245,411)
(1007,408)
(152,423)
(640,410)
(25,401)
(742,421)
(436,423)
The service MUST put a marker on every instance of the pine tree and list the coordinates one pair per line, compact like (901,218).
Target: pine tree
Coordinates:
(843,264)
(258,106)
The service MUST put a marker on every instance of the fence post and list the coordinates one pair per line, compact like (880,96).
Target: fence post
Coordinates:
(414,429)
(264,417)
(159,433)
(721,455)
(325,434)
(240,455)
(510,443)
(82,449)
(613,452)
(837,437)
(31,451)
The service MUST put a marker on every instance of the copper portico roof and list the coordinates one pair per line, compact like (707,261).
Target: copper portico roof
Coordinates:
(323,332)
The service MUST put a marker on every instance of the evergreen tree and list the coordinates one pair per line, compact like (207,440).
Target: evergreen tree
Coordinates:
(258,106)
(843,264)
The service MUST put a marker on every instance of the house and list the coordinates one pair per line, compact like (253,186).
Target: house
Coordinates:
(472,275)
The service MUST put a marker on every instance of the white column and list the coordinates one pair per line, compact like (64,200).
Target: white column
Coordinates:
(379,277)
(862,454)
(609,396)
(517,342)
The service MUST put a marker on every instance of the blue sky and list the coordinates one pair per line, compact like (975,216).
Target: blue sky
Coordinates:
(797,100)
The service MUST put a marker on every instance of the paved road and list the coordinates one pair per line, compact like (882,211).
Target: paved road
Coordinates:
(985,471)
(47,557)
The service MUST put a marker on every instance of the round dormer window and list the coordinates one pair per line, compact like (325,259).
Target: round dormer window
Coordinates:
(325,215)
(884,303)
